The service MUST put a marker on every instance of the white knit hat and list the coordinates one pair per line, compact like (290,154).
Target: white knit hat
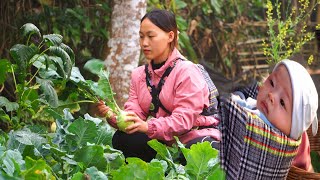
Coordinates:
(305,99)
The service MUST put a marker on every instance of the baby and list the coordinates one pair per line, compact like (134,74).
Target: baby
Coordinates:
(287,100)
(261,128)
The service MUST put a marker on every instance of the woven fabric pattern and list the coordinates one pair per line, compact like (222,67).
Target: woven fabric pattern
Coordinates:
(250,149)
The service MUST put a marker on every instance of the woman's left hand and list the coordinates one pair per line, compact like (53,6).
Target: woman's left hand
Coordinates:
(139,124)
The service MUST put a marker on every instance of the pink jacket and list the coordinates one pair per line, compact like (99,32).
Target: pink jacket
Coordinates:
(184,93)
(303,159)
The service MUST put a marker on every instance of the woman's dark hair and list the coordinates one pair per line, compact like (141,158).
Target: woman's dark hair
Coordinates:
(166,21)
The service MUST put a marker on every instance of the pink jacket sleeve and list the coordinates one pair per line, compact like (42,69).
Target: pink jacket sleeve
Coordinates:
(303,159)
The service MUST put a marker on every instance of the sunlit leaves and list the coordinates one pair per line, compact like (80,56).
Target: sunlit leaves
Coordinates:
(30,29)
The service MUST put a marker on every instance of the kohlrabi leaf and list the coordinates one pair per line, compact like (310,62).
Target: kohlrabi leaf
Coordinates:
(27,137)
(76,76)
(94,173)
(138,169)
(12,161)
(37,169)
(161,149)
(91,156)
(201,160)
(94,66)
(105,91)
(84,131)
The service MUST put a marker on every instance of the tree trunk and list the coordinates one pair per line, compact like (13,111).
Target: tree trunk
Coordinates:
(124,45)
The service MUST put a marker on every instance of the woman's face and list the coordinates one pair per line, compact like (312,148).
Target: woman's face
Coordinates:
(275,99)
(155,42)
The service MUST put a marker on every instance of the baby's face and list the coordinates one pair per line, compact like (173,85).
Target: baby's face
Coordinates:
(275,99)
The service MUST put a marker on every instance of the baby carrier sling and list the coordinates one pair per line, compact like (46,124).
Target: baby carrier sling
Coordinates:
(155,91)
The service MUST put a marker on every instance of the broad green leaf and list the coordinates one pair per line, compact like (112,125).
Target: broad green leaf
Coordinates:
(52,39)
(78,176)
(91,156)
(104,91)
(5,66)
(10,106)
(94,66)
(27,137)
(29,29)
(94,173)
(76,75)
(49,92)
(201,158)
(104,135)
(69,51)
(12,162)
(37,169)
(138,169)
(67,63)
(59,65)
(21,55)
(114,158)
(84,131)
(161,149)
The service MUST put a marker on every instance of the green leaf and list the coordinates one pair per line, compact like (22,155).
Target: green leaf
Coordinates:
(94,66)
(52,39)
(161,149)
(114,158)
(29,29)
(84,131)
(76,75)
(21,55)
(94,173)
(180,4)
(91,156)
(69,51)
(12,162)
(67,63)
(50,93)
(27,137)
(78,176)
(138,169)
(10,106)
(5,66)
(59,65)
(37,169)
(182,23)
(4,116)
(201,159)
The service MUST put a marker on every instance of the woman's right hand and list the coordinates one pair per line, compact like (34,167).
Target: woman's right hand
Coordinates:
(101,109)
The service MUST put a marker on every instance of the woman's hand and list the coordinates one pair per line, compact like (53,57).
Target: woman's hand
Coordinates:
(101,109)
(138,126)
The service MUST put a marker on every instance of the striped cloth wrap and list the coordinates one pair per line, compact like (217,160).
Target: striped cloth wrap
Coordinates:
(250,149)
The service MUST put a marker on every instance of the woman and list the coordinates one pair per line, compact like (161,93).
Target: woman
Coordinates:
(184,94)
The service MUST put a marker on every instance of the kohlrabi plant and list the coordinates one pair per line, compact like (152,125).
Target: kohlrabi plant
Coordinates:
(104,91)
